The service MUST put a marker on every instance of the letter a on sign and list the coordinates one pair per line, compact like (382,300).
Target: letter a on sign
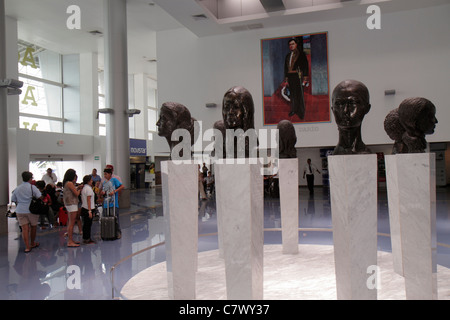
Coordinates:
(29,95)
(28,58)
(74,21)
(374,21)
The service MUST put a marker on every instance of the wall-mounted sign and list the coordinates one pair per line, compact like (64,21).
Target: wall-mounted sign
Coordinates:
(138,147)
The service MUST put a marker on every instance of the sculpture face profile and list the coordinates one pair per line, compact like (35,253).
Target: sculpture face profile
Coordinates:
(409,123)
(350,103)
(287,139)
(174,116)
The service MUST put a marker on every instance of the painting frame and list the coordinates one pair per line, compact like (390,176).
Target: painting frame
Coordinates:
(279,103)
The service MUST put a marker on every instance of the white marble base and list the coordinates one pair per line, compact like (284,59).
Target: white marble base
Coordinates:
(288,183)
(394,211)
(353,189)
(306,276)
(180,205)
(411,183)
(240,213)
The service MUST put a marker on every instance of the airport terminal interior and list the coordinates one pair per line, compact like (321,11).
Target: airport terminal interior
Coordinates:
(82,86)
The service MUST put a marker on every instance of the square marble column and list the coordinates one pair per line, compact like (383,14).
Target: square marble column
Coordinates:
(353,189)
(288,182)
(240,211)
(411,183)
(180,205)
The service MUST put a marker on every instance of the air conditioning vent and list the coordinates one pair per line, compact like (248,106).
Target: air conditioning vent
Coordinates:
(96,33)
(247,27)
(199,17)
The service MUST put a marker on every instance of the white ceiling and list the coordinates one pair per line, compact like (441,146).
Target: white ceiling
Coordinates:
(43,22)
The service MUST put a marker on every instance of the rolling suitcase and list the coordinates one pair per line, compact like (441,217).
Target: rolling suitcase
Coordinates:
(62,216)
(108,222)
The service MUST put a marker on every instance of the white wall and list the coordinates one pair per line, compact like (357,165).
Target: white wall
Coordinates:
(409,54)
(25,145)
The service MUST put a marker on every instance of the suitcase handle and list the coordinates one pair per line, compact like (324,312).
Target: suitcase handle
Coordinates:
(108,208)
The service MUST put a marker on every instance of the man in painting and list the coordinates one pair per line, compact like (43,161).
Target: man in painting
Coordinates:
(296,73)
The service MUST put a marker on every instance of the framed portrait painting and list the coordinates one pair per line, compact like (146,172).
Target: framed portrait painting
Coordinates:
(295,79)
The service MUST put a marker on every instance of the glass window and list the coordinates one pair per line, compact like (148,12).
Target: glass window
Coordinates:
(101,104)
(41,103)
(152,112)
(152,119)
(39,98)
(37,124)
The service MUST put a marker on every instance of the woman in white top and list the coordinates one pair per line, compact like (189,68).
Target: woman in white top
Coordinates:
(70,195)
(87,207)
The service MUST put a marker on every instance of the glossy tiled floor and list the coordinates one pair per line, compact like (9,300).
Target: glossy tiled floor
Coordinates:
(98,271)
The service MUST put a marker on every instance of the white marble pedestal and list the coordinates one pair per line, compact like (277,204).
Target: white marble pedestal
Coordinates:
(240,213)
(411,184)
(288,183)
(353,189)
(180,205)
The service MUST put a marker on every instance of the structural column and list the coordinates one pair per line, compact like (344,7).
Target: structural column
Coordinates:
(4,181)
(116,89)
(353,188)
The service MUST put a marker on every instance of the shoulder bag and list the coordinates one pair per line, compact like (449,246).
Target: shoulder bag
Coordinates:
(37,206)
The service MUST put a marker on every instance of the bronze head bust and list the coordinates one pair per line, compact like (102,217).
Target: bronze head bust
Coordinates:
(287,139)
(237,113)
(174,116)
(238,109)
(350,103)
(409,123)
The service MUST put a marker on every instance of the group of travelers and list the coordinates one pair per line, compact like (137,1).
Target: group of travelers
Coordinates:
(65,203)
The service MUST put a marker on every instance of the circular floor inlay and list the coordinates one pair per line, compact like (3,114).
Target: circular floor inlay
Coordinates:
(307,275)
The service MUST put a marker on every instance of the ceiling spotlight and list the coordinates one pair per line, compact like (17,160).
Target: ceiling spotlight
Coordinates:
(13,86)
(132,112)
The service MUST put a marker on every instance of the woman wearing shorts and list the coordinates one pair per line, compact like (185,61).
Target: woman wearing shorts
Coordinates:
(70,196)
(22,197)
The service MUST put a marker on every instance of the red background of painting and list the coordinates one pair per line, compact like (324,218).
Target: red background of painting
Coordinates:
(276,108)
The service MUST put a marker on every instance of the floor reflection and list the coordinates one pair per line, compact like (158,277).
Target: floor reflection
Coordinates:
(54,271)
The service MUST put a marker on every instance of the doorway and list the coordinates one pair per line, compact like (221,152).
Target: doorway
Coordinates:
(137,173)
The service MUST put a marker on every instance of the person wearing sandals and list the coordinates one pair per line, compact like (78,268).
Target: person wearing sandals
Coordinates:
(22,196)
(70,195)
(87,207)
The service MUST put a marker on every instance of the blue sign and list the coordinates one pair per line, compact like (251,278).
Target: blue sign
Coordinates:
(138,147)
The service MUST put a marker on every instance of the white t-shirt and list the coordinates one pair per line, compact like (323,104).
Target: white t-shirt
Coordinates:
(306,169)
(87,191)
(49,180)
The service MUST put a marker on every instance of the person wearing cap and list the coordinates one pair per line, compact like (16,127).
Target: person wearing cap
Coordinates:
(50,177)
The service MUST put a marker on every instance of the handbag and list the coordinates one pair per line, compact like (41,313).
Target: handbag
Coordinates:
(37,206)
(11,210)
